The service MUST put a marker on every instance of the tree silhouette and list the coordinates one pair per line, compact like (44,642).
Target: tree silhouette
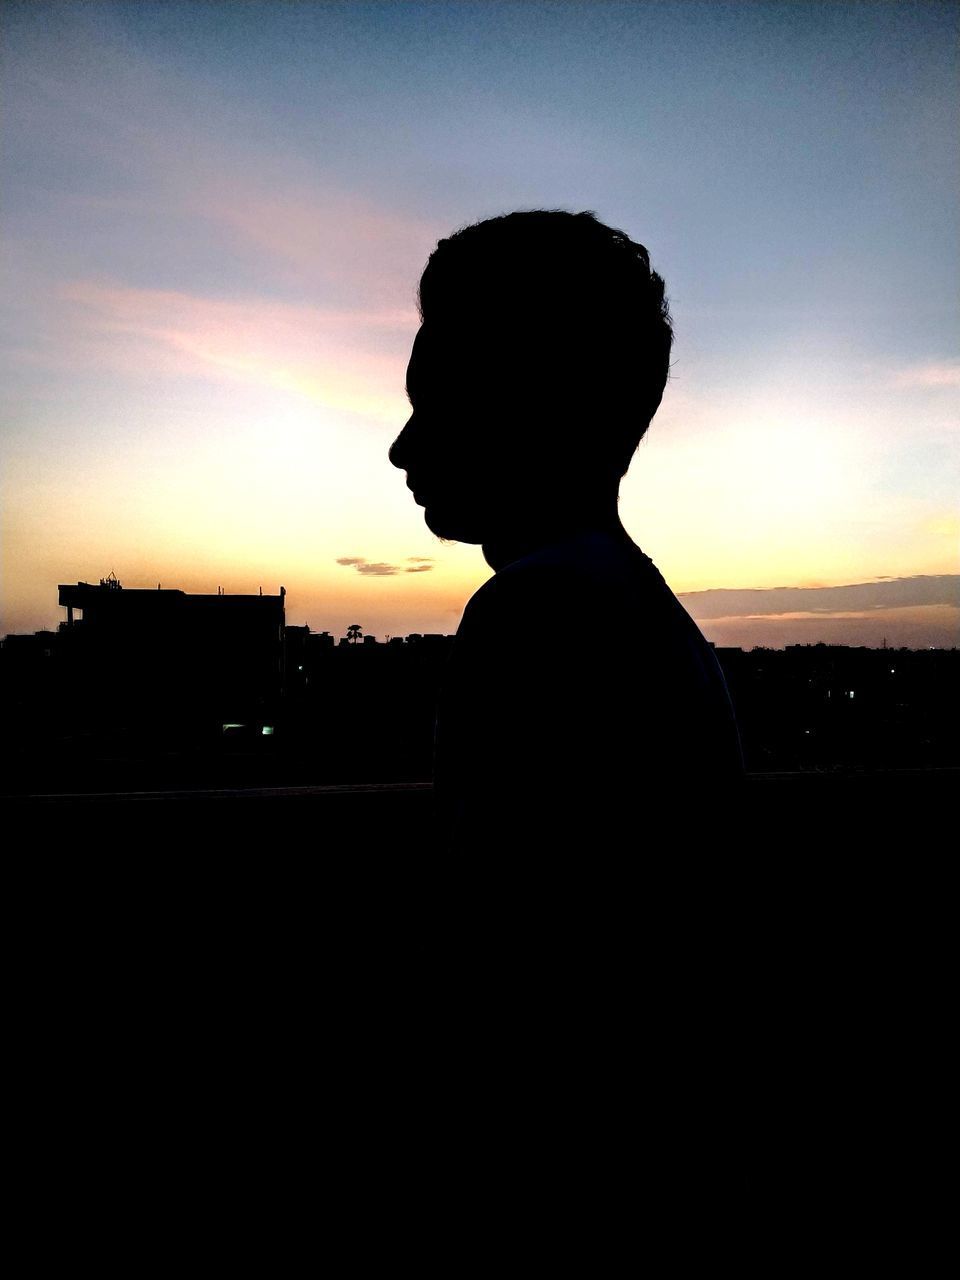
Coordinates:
(354,632)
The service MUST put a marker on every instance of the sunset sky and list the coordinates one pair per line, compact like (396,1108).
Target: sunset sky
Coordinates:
(215,216)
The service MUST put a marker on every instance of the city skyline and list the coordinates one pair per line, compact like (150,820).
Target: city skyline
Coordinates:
(215,222)
(905,612)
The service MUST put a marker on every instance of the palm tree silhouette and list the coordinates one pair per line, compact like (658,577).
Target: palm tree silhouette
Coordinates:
(354,632)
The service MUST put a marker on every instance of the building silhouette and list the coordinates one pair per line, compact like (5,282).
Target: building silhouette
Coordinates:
(167,663)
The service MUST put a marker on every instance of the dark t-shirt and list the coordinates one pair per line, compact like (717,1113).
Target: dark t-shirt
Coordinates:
(580,697)
(586,749)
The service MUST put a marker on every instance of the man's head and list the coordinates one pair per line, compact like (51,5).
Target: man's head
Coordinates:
(541,359)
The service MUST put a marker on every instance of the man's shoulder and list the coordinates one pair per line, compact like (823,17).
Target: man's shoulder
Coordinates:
(520,591)
(584,560)
(588,579)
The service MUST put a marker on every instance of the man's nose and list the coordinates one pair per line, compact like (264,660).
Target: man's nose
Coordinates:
(400,450)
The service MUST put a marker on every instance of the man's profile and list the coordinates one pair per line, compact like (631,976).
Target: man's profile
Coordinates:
(578,689)
(583,712)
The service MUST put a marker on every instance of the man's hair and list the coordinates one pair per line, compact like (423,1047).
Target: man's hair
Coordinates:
(573,308)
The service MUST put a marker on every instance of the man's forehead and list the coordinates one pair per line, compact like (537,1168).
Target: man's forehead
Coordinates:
(440,337)
(441,348)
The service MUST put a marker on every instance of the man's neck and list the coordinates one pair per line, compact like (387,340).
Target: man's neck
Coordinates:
(531,532)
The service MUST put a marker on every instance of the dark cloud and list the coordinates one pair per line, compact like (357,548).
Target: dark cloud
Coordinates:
(379,569)
(919,627)
(885,593)
(376,569)
(369,568)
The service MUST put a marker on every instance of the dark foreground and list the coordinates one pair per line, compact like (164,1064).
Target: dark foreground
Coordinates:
(708,1041)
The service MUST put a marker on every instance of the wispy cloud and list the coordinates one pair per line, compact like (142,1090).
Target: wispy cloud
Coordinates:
(942,373)
(341,358)
(324,239)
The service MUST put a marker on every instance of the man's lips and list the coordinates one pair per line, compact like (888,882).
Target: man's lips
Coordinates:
(418,494)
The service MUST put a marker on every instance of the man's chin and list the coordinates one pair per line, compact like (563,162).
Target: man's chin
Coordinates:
(452,526)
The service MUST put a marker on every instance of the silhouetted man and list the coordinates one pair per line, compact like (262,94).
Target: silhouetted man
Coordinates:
(585,1007)
(580,697)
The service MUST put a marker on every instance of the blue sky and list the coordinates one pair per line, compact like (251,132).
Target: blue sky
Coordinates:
(216,214)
